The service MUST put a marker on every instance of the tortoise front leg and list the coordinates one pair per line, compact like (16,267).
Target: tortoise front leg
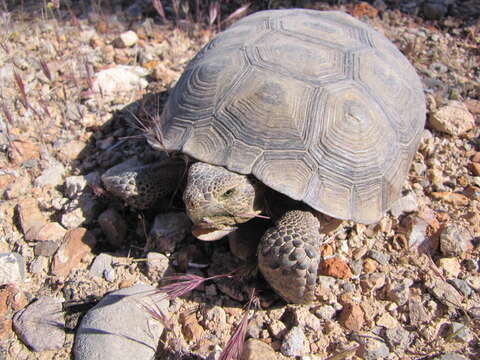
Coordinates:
(142,186)
(288,256)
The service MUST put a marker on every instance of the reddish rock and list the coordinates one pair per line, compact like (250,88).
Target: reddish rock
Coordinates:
(475,168)
(30,217)
(52,231)
(352,317)
(191,329)
(364,9)
(11,299)
(76,244)
(23,150)
(451,198)
(335,267)
(5,328)
(476,157)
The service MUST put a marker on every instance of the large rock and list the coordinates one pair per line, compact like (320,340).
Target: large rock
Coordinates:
(119,327)
(453,119)
(41,324)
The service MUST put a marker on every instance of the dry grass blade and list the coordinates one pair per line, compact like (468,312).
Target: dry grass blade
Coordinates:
(157,4)
(234,346)
(7,113)
(237,13)
(21,87)
(213,13)
(176,10)
(46,70)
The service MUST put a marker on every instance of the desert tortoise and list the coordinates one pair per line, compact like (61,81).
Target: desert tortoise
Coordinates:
(314,105)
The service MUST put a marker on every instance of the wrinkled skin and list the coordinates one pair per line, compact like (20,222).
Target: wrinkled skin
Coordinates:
(217,200)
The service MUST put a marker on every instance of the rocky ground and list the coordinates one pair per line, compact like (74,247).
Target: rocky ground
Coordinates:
(75,74)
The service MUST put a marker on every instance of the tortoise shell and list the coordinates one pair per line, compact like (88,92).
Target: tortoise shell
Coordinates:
(316,105)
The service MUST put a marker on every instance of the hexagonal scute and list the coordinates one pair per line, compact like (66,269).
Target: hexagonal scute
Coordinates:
(302,60)
(390,88)
(193,100)
(355,144)
(332,29)
(285,171)
(268,111)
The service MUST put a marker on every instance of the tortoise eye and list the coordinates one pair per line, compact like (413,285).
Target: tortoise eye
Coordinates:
(228,193)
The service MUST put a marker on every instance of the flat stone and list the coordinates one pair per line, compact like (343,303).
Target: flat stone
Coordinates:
(51,231)
(460,332)
(417,312)
(398,338)
(293,342)
(257,350)
(444,292)
(306,319)
(76,244)
(46,248)
(325,312)
(113,226)
(119,327)
(102,266)
(387,321)
(168,229)
(40,325)
(451,266)
(405,204)
(157,265)
(12,268)
(461,286)
(379,256)
(399,292)
(451,198)
(453,119)
(72,150)
(22,185)
(372,349)
(51,176)
(120,79)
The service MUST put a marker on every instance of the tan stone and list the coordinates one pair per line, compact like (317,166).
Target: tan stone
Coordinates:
(23,150)
(30,216)
(76,244)
(451,198)
(352,317)
(257,350)
(369,265)
(453,119)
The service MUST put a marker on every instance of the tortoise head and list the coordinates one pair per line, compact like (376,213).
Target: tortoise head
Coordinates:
(217,200)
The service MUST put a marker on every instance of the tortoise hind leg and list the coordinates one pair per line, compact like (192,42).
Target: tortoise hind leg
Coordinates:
(288,256)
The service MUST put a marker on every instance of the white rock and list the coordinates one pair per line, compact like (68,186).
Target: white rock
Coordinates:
(51,176)
(12,268)
(405,204)
(121,78)
(453,118)
(126,39)
(74,185)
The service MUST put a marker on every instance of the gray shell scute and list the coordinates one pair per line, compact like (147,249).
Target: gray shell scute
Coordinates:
(316,105)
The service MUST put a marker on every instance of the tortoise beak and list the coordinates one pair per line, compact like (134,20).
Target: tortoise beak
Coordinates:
(210,234)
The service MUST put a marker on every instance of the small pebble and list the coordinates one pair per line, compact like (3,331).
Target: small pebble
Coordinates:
(460,332)
(373,349)
(169,229)
(113,226)
(51,176)
(293,342)
(12,268)
(257,350)
(74,185)
(379,256)
(157,265)
(454,240)
(102,265)
(405,204)
(461,286)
